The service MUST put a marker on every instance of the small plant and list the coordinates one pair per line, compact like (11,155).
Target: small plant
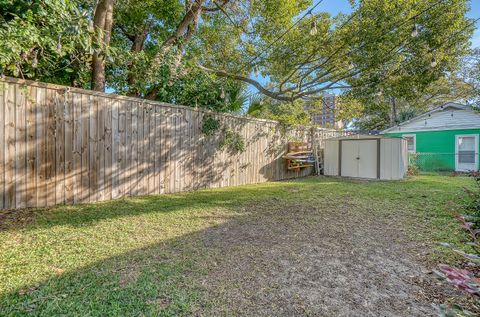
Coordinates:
(473,202)
(412,170)
(232,141)
(464,280)
(210,125)
(412,164)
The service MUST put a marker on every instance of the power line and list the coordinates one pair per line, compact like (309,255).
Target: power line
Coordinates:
(250,63)
(361,46)
(450,37)
(382,36)
(307,60)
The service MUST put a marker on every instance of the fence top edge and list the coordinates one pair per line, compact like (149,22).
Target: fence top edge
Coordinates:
(144,101)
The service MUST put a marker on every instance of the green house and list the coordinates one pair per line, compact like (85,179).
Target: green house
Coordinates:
(443,139)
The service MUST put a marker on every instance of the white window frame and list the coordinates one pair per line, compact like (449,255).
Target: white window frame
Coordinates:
(414,136)
(457,136)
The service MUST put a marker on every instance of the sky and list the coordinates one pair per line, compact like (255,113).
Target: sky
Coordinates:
(474,14)
(336,6)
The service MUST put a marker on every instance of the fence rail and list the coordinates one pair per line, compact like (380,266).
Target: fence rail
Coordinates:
(61,145)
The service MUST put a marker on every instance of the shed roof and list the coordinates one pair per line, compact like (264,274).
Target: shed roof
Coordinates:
(364,136)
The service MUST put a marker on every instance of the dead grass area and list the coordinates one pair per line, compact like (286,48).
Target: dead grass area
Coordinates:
(340,259)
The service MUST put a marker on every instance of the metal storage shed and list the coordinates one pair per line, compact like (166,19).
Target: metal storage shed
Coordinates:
(366,156)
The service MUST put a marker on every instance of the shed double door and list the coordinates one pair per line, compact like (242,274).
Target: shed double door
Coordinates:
(359,158)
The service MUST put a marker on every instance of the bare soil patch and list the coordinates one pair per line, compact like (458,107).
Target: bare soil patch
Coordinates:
(343,258)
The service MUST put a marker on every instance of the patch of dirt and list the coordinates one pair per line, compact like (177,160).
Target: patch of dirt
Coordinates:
(339,259)
(129,275)
(161,302)
(16,219)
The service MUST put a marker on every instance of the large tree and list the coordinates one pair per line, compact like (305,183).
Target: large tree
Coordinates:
(358,51)
(155,48)
(46,40)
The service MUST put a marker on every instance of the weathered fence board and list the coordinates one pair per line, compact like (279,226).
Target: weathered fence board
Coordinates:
(31,197)
(61,145)
(10,147)
(2,143)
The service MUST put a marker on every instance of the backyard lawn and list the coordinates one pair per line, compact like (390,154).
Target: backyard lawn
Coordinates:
(313,246)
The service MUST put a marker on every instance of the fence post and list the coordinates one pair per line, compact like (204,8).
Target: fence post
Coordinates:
(314,149)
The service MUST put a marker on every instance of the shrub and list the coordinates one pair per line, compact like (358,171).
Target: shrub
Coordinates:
(463,279)
(413,164)
(473,202)
(210,125)
(412,170)
(232,141)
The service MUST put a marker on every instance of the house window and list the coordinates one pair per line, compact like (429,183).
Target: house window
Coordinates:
(412,142)
(466,152)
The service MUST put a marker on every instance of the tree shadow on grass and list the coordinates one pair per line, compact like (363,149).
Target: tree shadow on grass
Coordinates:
(163,279)
(86,214)
(148,282)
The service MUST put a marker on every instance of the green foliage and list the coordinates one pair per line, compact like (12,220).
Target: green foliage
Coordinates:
(473,201)
(232,141)
(256,108)
(374,112)
(149,22)
(464,279)
(210,125)
(412,170)
(408,114)
(289,114)
(199,89)
(46,40)
(375,40)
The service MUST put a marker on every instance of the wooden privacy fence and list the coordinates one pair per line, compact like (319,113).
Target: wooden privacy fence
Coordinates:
(66,145)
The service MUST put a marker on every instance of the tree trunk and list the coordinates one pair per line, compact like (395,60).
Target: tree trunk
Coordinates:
(182,32)
(180,37)
(393,118)
(137,46)
(152,94)
(102,21)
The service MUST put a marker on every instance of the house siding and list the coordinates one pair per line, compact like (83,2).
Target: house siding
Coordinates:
(448,118)
(436,149)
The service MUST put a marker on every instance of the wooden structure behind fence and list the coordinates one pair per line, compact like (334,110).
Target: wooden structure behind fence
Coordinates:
(61,145)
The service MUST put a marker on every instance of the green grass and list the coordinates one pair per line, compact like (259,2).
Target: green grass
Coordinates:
(146,255)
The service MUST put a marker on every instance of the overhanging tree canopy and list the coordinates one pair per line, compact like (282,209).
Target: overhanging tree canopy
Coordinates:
(157,46)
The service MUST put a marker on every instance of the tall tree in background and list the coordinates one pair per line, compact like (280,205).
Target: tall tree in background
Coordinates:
(470,74)
(357,51)
(370,110)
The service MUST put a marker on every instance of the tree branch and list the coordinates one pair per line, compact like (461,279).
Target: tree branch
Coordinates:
(254,83)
